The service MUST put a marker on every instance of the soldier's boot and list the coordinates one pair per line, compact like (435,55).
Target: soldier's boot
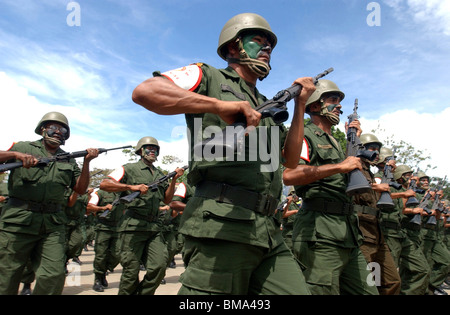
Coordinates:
(98,287)
(104,282)
(26,290)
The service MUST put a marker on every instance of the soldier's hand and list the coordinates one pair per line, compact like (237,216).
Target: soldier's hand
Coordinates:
(231,111)
(27,159)
(142,188)
(350,163)
(410,193)
(308,89)
(180,172)
(92,154)
(354,124)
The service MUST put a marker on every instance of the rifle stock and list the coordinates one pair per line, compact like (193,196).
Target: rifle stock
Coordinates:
(385,201)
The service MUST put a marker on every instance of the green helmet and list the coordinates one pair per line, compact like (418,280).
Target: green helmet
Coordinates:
(146,141)
(323,86)
(56,117)
(400,170)
(384,153)
(421,174)
(243,22)
(369,138)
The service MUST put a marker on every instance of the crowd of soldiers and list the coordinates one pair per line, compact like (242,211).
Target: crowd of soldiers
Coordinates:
(234,235)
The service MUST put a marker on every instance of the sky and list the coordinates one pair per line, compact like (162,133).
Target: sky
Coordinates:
(84,58)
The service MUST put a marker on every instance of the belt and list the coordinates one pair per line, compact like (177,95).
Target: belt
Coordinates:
(391,225)
(430,226)
(108,223)
(411,226)
(329,207)
(221,192)
(148,218)
(33,206)
(368,210)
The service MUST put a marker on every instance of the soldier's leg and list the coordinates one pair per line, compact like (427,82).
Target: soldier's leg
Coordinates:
(395,246)
(441,258)
(356,277)
(156,263)
(218,267)
(15,251)
(414,270)
(49,260)
(101,252)
(113,251)
(132,245)
(278,273)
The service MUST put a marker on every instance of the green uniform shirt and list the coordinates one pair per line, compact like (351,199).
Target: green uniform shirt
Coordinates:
(146,205)
(206,218)
(311,225)
(111,220)
(391,218)
(42,184)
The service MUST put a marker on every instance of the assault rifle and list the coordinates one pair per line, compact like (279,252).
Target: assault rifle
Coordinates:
(275,108)
(357,182)
(412,201)
(60,157)
(153,186)
(385,201)
(436,202)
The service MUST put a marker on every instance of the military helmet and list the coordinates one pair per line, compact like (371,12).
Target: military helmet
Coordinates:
(56,117)
(400,170)
(421,174)
(146,141)
(384,153)
(243,22)
(369,138)
(323,86)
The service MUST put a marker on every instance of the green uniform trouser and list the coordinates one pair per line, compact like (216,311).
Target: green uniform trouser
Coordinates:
(222,267)
(107,254)
(74,241)
(333,270)
(438,259)
(149,248)
(47,254)
(414,270)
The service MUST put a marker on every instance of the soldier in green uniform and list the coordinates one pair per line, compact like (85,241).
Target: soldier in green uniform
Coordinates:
(326,236)
(374,247)
(108,210)
(231,214)
(402,237)
(32,222)
(288,216)
(140,232)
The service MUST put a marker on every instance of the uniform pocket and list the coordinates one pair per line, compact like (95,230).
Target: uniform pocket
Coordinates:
(205,280)
(17,216)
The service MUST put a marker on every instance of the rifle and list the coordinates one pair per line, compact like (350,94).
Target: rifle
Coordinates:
(153,186)
(385,201)
(275,108)
(436,202)
(60,157)
(412,201)
(114,203)
(357,182)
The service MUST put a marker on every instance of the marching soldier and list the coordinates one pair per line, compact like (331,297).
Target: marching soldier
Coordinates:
(140,233)
(326,235)
(32,222)
(231,214)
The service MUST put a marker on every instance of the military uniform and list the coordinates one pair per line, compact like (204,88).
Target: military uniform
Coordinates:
(107,255)
(414,272)
(374,247)
(140,233)
(326,235)
(231,213)
(32,222)
(75,227)
(288,225)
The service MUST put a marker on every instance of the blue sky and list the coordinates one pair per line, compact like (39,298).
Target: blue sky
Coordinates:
(399,70)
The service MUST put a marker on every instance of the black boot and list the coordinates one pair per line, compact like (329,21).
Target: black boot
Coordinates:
(104,281)
(98,287)
(26,290)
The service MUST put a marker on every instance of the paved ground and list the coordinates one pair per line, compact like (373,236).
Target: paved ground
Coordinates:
(81,278)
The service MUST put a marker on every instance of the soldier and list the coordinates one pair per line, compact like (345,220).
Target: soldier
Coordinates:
(384,153)
(374,247)
(32,222)
(402,237)
(140,233)
(231,214)
(326,235)
(287,218)
(108,211)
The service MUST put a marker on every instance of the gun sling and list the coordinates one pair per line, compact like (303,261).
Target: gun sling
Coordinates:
(328,207)
(221,192)
(33,206)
